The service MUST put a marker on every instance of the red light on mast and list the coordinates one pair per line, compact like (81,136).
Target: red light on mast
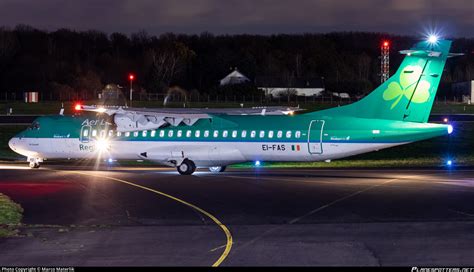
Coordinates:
(78,107)
(131,76)
(386,43)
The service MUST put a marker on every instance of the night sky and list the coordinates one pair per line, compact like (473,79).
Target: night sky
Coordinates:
(453,18)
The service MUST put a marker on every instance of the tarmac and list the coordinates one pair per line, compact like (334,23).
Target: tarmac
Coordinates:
(151,216)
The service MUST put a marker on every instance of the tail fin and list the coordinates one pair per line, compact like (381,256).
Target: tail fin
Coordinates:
(409,94)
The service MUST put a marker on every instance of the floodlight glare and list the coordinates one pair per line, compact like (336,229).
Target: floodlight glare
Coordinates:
(433,39)
(102,145)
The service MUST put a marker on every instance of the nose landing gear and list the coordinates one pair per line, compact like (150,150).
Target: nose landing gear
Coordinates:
(34,162)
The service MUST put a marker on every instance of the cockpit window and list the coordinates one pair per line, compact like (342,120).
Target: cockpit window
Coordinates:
(34,126)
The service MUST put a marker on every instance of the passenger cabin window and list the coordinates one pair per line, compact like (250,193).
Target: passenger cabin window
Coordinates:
(94,133)
(180,133)
(225,133)
(144,133)
(298,134)
(252,134)
(127,134)
(197,133)
(111,133)
(153,133)
(234,134)
(102,133)
(119,133)
(188,133)
(215,134)
(85,133)
(244,133)
(261,134)
(288,134)
(270,134)
(170,133)
(206,133)
(162,133)
(279,134)
(135,134)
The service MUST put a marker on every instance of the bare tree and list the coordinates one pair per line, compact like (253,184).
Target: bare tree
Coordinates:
(170,61)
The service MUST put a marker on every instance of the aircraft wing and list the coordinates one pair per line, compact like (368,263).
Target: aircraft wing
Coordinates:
(133,119)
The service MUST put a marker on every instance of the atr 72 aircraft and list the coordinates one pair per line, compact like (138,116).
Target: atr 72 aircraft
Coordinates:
(393,114)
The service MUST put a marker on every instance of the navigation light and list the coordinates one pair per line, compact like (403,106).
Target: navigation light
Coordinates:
(450,129)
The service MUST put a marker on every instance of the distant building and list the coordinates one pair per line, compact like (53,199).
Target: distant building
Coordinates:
(464,90)
(111,91)
(342,95)
(31,97)
(112,94)
(235,77)
(277,86)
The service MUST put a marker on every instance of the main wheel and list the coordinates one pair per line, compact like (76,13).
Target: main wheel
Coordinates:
(217,169)
(187,167)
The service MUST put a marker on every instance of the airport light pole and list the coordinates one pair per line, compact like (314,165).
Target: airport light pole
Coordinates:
(131,77)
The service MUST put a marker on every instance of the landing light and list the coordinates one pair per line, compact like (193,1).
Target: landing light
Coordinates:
(110,160)
(445,119)
(257,163)
(449,162)
(450,129)
(102,144)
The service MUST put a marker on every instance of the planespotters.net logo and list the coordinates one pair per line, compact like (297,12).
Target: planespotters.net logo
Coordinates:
(442,269)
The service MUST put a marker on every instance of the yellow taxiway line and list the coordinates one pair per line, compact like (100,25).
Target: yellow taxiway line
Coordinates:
(224,228)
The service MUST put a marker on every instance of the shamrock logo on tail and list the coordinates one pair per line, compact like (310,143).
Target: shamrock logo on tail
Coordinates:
(406,86)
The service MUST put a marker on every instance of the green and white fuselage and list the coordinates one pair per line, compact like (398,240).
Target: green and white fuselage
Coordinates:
(395,113)
(222,141)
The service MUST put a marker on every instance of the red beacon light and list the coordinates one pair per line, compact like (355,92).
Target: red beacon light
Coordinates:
(386,43)
(131,77)
(78,107)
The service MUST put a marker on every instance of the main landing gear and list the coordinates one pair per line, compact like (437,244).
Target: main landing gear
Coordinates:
(217,169)
(187,167)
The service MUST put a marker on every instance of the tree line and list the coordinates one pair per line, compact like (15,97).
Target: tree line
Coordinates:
(64,62)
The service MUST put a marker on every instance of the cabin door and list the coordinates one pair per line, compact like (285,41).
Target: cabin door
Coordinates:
(315,137)
(85,134)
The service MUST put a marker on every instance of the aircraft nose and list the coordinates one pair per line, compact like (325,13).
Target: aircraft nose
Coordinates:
(12,143)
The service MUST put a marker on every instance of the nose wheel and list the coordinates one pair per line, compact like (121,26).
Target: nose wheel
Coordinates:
(34,165)
(187,167)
